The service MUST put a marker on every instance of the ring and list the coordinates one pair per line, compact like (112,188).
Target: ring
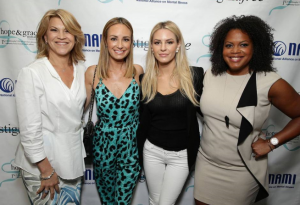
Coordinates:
(46,191)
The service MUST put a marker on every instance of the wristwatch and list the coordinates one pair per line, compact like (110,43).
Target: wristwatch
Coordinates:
(274,141)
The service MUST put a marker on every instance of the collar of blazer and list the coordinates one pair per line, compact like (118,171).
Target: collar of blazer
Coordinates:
(246,107)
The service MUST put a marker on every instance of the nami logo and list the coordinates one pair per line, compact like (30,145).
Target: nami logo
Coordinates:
(7,87)
(101,1)
(89,177)
(280,48)
(286,51)
(282,180)
(92,42)
(12,172)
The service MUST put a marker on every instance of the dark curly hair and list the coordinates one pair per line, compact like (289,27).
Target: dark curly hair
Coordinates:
(258,31)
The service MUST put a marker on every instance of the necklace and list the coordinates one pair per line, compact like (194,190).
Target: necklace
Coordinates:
(238,90)
(63,70)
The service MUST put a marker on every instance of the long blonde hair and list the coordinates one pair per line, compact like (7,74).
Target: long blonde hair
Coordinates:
(182,70)
(103,63)
(71,25)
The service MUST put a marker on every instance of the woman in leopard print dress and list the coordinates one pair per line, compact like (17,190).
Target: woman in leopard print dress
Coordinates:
(116,86)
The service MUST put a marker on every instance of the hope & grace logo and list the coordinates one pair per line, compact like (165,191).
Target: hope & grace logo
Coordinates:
(12,173)
(16,37)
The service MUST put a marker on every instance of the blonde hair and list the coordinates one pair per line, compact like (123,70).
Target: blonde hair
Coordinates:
(103,63)
(71,25)
(182,69)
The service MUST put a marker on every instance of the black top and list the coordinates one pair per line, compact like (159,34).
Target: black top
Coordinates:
(152,123)
(168,128)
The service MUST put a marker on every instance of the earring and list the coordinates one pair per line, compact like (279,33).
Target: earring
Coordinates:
(177,50)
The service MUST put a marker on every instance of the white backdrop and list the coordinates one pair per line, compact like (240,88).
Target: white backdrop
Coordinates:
(196,18)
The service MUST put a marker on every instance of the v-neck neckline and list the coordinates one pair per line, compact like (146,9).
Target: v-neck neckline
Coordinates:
(55,74)
(100,82)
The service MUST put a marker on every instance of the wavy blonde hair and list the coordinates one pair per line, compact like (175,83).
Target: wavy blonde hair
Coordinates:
(182,70)
(71,25)
(103,64)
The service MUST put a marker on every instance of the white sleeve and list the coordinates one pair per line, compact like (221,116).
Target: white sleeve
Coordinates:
(29,90)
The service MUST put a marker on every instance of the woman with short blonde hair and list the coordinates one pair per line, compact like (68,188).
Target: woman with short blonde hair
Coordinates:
(50,96)
(72,26)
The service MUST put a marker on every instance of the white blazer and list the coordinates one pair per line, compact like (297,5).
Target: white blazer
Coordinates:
(50,119)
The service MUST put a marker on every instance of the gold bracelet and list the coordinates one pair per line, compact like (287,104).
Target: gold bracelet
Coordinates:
(48,177)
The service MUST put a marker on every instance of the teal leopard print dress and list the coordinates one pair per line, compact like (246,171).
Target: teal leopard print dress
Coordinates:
(116,166)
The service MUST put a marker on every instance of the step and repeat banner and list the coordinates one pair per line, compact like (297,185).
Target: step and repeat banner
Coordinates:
(196,19)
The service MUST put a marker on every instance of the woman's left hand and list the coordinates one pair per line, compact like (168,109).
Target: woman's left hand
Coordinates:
(260,148)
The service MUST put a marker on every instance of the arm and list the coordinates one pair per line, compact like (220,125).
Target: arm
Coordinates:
(89,75)
(286,99)
(29,90)
(139,70)
(198,84)
(145,119)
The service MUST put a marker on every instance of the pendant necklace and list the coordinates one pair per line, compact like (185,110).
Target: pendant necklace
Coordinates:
(240,86)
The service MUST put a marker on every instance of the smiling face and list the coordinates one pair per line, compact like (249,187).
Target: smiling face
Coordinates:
(164,46)
(237,52)
(118,42)
(60,41)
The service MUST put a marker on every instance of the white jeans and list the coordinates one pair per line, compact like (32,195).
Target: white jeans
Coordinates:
(166,173)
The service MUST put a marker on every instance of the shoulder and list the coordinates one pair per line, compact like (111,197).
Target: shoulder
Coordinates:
(89,73)
(268,75)
(197,72)
(197,69)
(80,65)
(141,77)
(90,70)
(267,78)
(38,67)
(139,69)
(36,64)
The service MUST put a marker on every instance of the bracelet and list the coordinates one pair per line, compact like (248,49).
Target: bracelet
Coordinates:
(48,177)
(269,143)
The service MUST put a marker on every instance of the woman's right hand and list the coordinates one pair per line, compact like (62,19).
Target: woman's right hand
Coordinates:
(48,185)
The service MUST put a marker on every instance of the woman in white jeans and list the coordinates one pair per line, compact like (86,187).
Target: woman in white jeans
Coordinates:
(168,134)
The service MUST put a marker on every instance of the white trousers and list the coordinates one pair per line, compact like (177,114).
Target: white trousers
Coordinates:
(166,173)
